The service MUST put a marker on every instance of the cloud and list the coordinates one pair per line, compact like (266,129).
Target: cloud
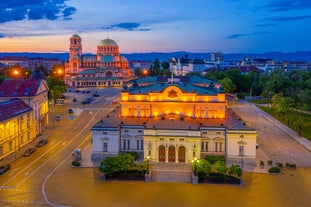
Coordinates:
(130,26)
(233,36)
(16,10)
(265,25)
(287,19)
(285,5)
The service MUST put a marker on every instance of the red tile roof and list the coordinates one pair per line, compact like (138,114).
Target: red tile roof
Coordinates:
(12,108)
(19,88)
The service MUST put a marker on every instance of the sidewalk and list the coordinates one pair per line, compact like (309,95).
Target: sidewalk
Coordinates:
(86,158)
(303,141)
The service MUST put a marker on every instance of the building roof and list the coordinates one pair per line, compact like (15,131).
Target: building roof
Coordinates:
(184,87)
(182,79)
(75,36)
(20,88)
(13,108)
(172,122)
(108,42)
(108,58)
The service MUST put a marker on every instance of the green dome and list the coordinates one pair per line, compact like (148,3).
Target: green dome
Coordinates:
(75,36)
(108,42)
(107,58)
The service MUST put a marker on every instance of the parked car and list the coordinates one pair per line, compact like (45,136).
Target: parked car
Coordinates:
(4,168)
(86,102)
(29,151)
(96,95)
(70,111)
(42,142)
(58,117)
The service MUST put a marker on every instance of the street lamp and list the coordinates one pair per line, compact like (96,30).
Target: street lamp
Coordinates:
(194,161)
(148,158)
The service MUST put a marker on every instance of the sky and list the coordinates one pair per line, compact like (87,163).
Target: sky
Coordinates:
(228,26)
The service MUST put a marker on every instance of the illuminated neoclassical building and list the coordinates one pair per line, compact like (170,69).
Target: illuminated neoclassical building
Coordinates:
(174,121)
(106,68)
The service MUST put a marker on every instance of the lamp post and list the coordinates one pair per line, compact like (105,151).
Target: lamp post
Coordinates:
(194,161)
(148,158)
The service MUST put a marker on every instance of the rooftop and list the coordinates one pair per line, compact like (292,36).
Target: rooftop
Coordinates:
(19,88)
(13,108)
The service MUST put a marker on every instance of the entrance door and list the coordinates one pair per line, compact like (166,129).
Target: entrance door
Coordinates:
(171,154)
(181,154)
(161,153)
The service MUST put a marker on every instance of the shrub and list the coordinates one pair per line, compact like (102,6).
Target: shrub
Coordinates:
(214,158)
(76,163)
(269,162)
(262,163)
(280,165)
(274,170)
(134,154)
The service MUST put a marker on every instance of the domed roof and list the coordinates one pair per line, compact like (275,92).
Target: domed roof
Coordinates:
(108,58)
(75,36)
(108,42)
(123,59)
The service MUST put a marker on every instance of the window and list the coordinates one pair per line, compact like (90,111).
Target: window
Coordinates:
(171,139)
(10,146)
(161,139)
(128,144)
(137,142)
(204,132)
(216,146)
(202,146)
(141,144)
(181,140)
(241,150)
(124,144)
(104,132)
(105,147)
(140,131)
(218,133)
(220,146)
(126,130)
(206,146)
(149,152)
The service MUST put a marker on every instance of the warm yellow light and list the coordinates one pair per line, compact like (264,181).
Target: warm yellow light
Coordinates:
(15,72)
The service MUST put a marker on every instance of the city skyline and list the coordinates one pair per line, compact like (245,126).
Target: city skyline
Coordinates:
(229,26)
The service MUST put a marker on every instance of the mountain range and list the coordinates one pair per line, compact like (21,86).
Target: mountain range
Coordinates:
(278,56)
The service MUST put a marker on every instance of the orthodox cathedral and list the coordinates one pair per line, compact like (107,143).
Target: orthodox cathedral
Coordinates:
(105,69)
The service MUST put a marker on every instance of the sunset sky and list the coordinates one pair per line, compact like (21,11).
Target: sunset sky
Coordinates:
(229,26)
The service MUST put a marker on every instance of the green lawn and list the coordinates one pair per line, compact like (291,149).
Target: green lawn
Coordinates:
(305,128)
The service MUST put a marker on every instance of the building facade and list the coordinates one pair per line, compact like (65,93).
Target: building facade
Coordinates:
(176,122)
(105,69)
(31,63)
(34,92)
(17,126)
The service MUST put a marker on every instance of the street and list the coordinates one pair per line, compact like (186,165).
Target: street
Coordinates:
(25,182)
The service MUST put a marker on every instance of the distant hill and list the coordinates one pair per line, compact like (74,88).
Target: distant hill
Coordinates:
(279,56)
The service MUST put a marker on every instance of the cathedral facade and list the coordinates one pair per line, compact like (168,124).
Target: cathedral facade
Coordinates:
(105,69)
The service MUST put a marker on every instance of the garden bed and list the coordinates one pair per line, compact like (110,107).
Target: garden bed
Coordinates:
(217,178)
(132,175)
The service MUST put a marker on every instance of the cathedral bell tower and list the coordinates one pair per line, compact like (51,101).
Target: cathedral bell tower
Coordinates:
(75,53)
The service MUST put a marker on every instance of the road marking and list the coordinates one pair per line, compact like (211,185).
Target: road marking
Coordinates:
(61,163)
(23,170)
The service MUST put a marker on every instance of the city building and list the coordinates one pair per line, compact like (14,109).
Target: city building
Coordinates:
(31,63)
(174,121)
(184,65)
(106,68)
(34,92)
(17,126)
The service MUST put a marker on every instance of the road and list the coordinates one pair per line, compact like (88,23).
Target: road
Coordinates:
(24,184)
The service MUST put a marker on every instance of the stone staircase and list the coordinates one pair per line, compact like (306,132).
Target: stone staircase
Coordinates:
(171,172)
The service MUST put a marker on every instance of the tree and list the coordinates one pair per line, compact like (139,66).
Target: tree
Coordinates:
(155,68)
(228,85)
(137,71)
(203,168)
(235,170)
(220,167)
(120,163)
